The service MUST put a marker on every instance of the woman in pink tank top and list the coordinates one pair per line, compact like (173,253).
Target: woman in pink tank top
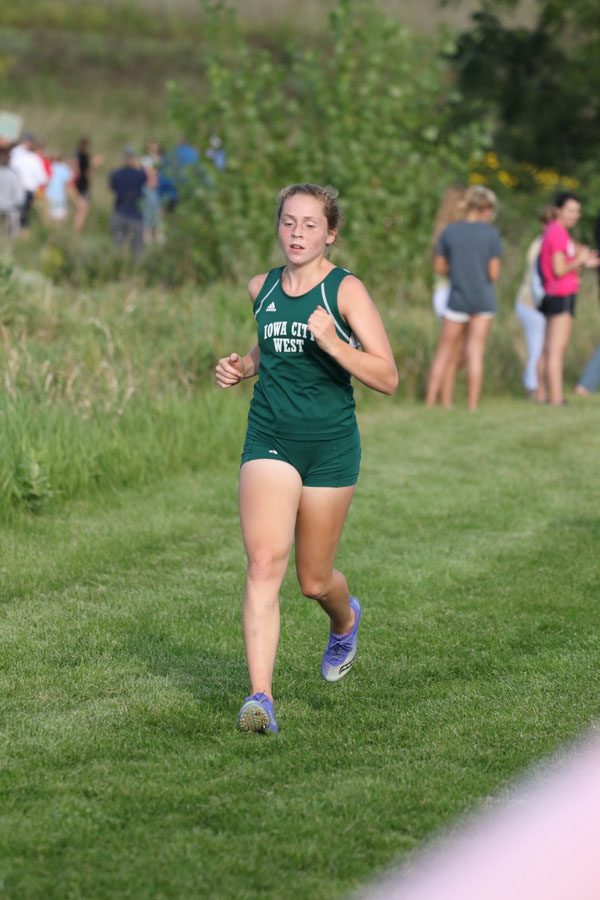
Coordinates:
(561,261)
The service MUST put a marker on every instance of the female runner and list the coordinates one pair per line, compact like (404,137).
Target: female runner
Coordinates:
(317,326)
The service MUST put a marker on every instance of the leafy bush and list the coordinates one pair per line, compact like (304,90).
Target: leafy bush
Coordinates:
(367,110)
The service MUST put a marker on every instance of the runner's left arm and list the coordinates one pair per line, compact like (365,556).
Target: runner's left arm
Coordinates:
(374,363)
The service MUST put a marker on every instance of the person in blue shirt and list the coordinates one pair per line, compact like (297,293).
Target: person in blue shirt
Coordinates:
(127,183)
(180,168)
(185,155)
(468,252)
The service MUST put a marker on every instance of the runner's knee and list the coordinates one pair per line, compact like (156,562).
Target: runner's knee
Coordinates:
(266,565)
(314,586)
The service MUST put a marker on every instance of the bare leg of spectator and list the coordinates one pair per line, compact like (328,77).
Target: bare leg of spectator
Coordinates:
(477,335)
(447,392)
(558,332)
(82,208)
(447,350)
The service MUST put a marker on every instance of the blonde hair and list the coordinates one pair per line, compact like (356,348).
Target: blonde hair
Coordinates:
(450,210)
(478,198)
(327,196)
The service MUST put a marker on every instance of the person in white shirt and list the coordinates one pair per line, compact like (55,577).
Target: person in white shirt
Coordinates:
(31,172)
(11,197)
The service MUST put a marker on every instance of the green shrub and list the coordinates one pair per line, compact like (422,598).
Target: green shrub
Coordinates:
(368,110)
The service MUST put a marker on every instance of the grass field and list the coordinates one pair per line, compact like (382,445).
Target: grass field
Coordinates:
(473,545)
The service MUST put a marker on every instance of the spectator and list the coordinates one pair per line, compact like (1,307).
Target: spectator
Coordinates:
(30,169)
(185,155)
(12,197)
(561,261)
(451,209)
(127,183)
(40,148)
(590,380)
(59,187)
(84,165)
(526,308)
(216,152)
(167,190)
(150,163)
(180,168)
(469,252)
(597,237)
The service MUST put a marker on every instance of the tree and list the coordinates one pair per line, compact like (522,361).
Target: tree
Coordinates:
(538,85)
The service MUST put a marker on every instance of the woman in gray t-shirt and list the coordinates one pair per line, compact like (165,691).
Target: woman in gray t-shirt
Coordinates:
(469,253)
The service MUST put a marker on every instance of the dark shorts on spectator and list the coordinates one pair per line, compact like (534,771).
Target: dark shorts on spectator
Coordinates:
(27,209)
(556,306)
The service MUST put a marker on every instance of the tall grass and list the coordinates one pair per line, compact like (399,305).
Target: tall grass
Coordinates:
(112,386)
(50,453)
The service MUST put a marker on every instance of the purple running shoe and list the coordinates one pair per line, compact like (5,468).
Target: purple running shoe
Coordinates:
(257,714)
(340,651)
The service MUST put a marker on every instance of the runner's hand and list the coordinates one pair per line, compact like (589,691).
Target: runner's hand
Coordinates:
(322,326)
(229,370)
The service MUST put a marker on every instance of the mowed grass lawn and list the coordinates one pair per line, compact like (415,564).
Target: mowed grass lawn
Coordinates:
(473,543)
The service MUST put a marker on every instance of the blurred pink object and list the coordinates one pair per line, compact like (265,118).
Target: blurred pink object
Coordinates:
(541,843)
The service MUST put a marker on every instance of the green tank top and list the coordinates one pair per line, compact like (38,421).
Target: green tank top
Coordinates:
(301,391)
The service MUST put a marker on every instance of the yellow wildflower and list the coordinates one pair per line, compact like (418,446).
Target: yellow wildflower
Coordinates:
(507,179)
(547,177)
(477,178)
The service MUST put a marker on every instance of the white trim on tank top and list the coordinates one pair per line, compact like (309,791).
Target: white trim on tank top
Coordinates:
(268,294)
(349,337)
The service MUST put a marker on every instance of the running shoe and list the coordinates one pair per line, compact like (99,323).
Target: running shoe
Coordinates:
(340,651)
(257,714)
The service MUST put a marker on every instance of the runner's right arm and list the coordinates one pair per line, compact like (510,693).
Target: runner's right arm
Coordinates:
(234,368)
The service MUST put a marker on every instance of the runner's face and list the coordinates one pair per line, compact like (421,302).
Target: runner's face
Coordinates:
(303,231)
(568,215)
